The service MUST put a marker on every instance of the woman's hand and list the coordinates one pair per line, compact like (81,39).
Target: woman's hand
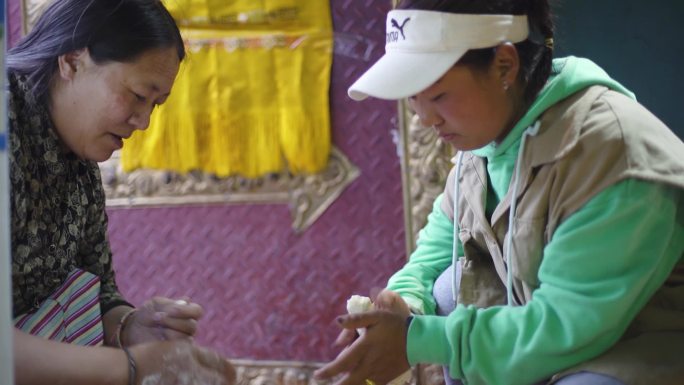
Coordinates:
(378,355)
(161,319)
(180,363)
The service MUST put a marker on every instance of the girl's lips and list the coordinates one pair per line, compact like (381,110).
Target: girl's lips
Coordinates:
(446,136)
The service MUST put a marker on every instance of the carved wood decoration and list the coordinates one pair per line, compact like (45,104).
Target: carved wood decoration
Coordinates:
(425,165)
(430,375)
(251,372)
(307,195)
(426,161)
(276,373)
(31,9)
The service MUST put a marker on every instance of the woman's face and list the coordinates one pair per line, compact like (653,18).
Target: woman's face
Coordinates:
(467,108)
(95,106)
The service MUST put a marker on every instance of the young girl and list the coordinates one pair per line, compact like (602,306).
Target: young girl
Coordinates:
(555,253)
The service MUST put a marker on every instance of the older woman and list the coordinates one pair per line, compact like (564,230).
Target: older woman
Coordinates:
(87,76)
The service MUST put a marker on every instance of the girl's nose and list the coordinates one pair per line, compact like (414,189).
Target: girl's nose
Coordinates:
(428,116)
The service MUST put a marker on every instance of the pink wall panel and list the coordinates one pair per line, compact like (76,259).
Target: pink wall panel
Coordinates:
(268,293)
(13,21)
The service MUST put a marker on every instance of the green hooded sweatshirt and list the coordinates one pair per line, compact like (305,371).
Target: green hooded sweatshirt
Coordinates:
(504,345)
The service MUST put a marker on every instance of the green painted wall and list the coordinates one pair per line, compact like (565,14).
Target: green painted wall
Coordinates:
(639,43)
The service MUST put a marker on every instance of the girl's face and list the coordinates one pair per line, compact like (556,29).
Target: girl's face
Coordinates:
(468,108)
(96,106)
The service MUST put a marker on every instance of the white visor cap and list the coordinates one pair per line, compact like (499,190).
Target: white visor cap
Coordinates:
(421,46)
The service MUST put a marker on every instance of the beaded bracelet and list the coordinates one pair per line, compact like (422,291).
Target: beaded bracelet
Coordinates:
(120,327)
(132,369)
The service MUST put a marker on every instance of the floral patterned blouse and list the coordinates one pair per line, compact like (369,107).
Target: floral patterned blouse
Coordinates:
(58,219)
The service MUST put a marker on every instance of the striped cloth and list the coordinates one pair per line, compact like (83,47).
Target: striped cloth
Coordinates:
(71,314)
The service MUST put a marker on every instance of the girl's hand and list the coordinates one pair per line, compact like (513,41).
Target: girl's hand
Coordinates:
(391,301)
(378,355)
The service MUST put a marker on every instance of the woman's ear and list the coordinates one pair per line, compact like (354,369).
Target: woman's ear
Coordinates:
(507,63)
(72,62)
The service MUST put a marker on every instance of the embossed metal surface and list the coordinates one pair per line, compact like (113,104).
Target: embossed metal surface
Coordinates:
(271,294)
(251,372)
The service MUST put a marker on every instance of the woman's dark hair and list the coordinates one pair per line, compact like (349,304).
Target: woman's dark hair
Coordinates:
(112,30)
(535,56)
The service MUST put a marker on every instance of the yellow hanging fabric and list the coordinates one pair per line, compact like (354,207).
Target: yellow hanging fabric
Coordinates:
(251,98)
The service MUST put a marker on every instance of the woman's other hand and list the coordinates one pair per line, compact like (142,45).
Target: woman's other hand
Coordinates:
(180,363)
(162,319)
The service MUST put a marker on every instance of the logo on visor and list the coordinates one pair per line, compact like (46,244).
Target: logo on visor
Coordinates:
(393,36)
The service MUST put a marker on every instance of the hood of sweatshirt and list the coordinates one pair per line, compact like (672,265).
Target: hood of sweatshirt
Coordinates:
(568,76)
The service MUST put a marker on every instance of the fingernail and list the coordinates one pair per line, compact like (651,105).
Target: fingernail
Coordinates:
(181,302)
(158,316)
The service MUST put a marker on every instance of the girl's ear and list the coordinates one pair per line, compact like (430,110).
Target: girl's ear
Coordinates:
(72,62)
(507,63)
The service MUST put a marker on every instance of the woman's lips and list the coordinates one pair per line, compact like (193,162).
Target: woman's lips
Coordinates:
(118,141)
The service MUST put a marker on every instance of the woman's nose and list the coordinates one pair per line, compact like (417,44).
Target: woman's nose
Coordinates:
(140,119)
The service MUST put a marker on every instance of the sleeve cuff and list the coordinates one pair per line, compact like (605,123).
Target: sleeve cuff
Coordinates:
(414,304)
(426,341)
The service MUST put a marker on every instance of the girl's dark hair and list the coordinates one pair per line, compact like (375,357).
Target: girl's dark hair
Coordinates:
(535,56)
(112,30)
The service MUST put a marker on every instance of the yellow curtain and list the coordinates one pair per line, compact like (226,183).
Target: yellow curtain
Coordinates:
(251,98)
